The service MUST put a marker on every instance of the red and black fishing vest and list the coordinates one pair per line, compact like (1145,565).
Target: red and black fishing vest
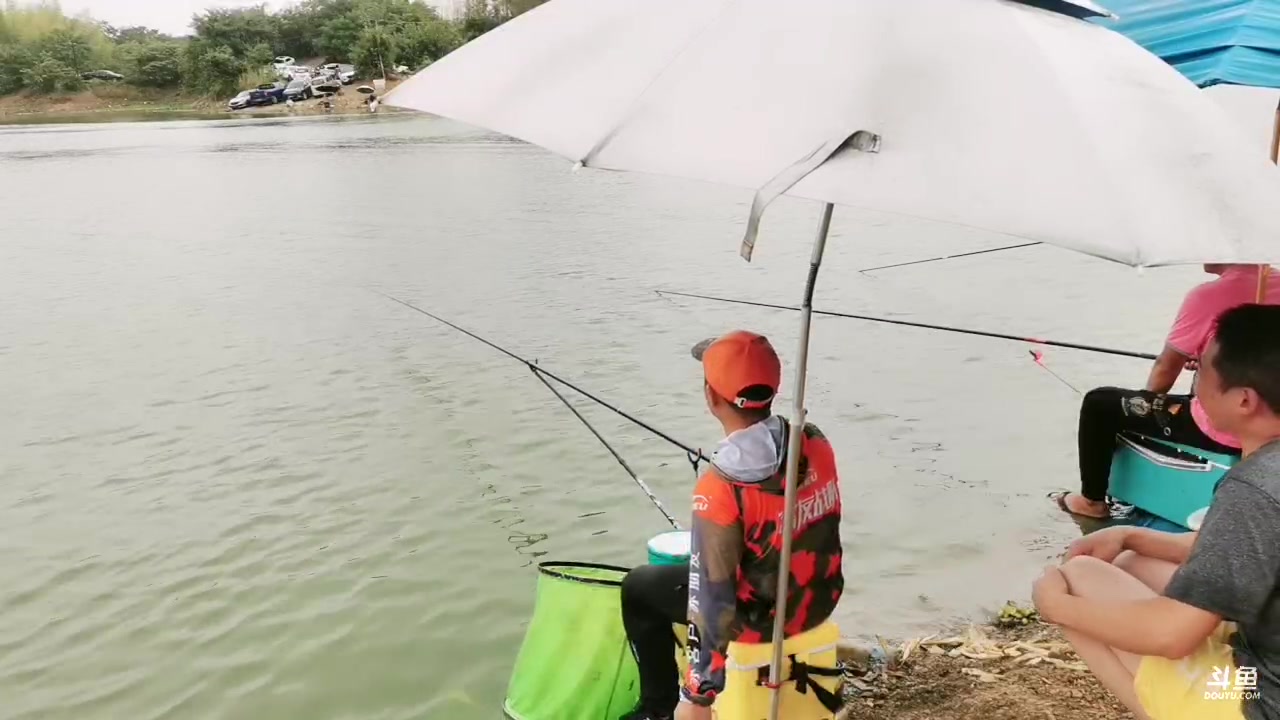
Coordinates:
(816,550)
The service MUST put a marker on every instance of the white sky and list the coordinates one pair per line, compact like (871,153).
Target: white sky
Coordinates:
(170,16)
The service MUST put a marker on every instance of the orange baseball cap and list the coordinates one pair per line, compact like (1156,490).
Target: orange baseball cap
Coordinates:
(737,361)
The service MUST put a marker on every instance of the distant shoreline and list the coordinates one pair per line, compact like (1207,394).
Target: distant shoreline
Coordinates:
(107,103)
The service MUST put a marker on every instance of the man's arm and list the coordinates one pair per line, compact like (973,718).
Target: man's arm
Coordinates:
(1170,547)
(1230,573)
(1166,369)
(713,579)
(1159,626)
(1107,544)
(1186,338)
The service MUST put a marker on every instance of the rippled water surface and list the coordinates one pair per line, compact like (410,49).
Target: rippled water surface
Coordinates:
(236,482)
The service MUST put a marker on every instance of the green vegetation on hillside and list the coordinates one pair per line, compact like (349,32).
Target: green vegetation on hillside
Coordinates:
(44,51)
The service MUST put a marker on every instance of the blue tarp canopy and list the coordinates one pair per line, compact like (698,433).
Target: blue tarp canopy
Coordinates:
(1210,41)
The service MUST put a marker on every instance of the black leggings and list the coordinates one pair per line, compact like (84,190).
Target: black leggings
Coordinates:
(653,598)
(1106,412)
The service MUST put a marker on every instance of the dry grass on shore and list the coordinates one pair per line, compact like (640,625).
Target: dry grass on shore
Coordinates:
(1017,672)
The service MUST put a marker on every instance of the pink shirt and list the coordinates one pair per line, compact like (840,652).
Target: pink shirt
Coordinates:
(1193,328)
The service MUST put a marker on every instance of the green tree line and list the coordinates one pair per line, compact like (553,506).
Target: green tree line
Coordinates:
(43,50)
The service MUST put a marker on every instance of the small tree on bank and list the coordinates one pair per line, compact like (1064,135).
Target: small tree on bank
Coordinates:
(52,75)
(15,60)
(212,70)
(375,51)
(157,64)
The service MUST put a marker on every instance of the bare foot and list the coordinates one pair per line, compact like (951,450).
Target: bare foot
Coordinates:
(1077,504)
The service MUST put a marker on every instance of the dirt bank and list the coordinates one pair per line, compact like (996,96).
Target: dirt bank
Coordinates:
(102,98)
(979,673)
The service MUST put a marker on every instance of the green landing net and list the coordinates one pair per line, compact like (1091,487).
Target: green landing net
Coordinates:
(575,663)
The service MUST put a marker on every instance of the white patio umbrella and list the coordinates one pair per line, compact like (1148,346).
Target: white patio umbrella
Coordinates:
(1017,117)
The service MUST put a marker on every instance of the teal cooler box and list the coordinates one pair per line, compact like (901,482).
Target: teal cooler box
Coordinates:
(1166,479)
(670,548)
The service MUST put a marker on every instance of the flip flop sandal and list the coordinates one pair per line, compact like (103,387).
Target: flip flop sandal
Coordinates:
(1060,497)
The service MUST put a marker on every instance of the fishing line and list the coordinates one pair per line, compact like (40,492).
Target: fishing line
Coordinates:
(950,257)
(643,487)
(1039,358)
(694,454)
(926,326)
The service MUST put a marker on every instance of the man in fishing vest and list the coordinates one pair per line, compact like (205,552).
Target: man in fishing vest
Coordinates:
(727,590)
(1108,411)
(1186,626)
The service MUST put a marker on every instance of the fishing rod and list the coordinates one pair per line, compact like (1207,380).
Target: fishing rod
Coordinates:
(950,257)
(907,323)
(695,456)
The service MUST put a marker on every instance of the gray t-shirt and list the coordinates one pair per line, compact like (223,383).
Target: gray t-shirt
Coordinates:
(1234,571)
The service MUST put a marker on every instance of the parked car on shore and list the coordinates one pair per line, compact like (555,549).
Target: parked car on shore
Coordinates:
(274,90)
(322,86)
(344,72)
(101,75)
(239,102)
(258,96)
(298,90)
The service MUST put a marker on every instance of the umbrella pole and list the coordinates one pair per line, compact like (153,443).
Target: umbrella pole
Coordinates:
(1275,137)
(1265,270)
(794,451)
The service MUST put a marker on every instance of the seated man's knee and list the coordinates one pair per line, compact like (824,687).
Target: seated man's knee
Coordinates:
(632,582)
(1127,561)
(1090,577)
(1082,563)
(1101,399)
(1082,570)
(1152,572)
(636,582)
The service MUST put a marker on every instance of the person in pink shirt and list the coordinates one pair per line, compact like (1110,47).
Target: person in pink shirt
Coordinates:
(1152,411)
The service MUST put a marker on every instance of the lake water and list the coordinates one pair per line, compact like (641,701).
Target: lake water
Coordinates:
(236,482)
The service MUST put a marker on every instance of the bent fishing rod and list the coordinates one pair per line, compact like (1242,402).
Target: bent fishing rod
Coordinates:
(695,456)
(926,326)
